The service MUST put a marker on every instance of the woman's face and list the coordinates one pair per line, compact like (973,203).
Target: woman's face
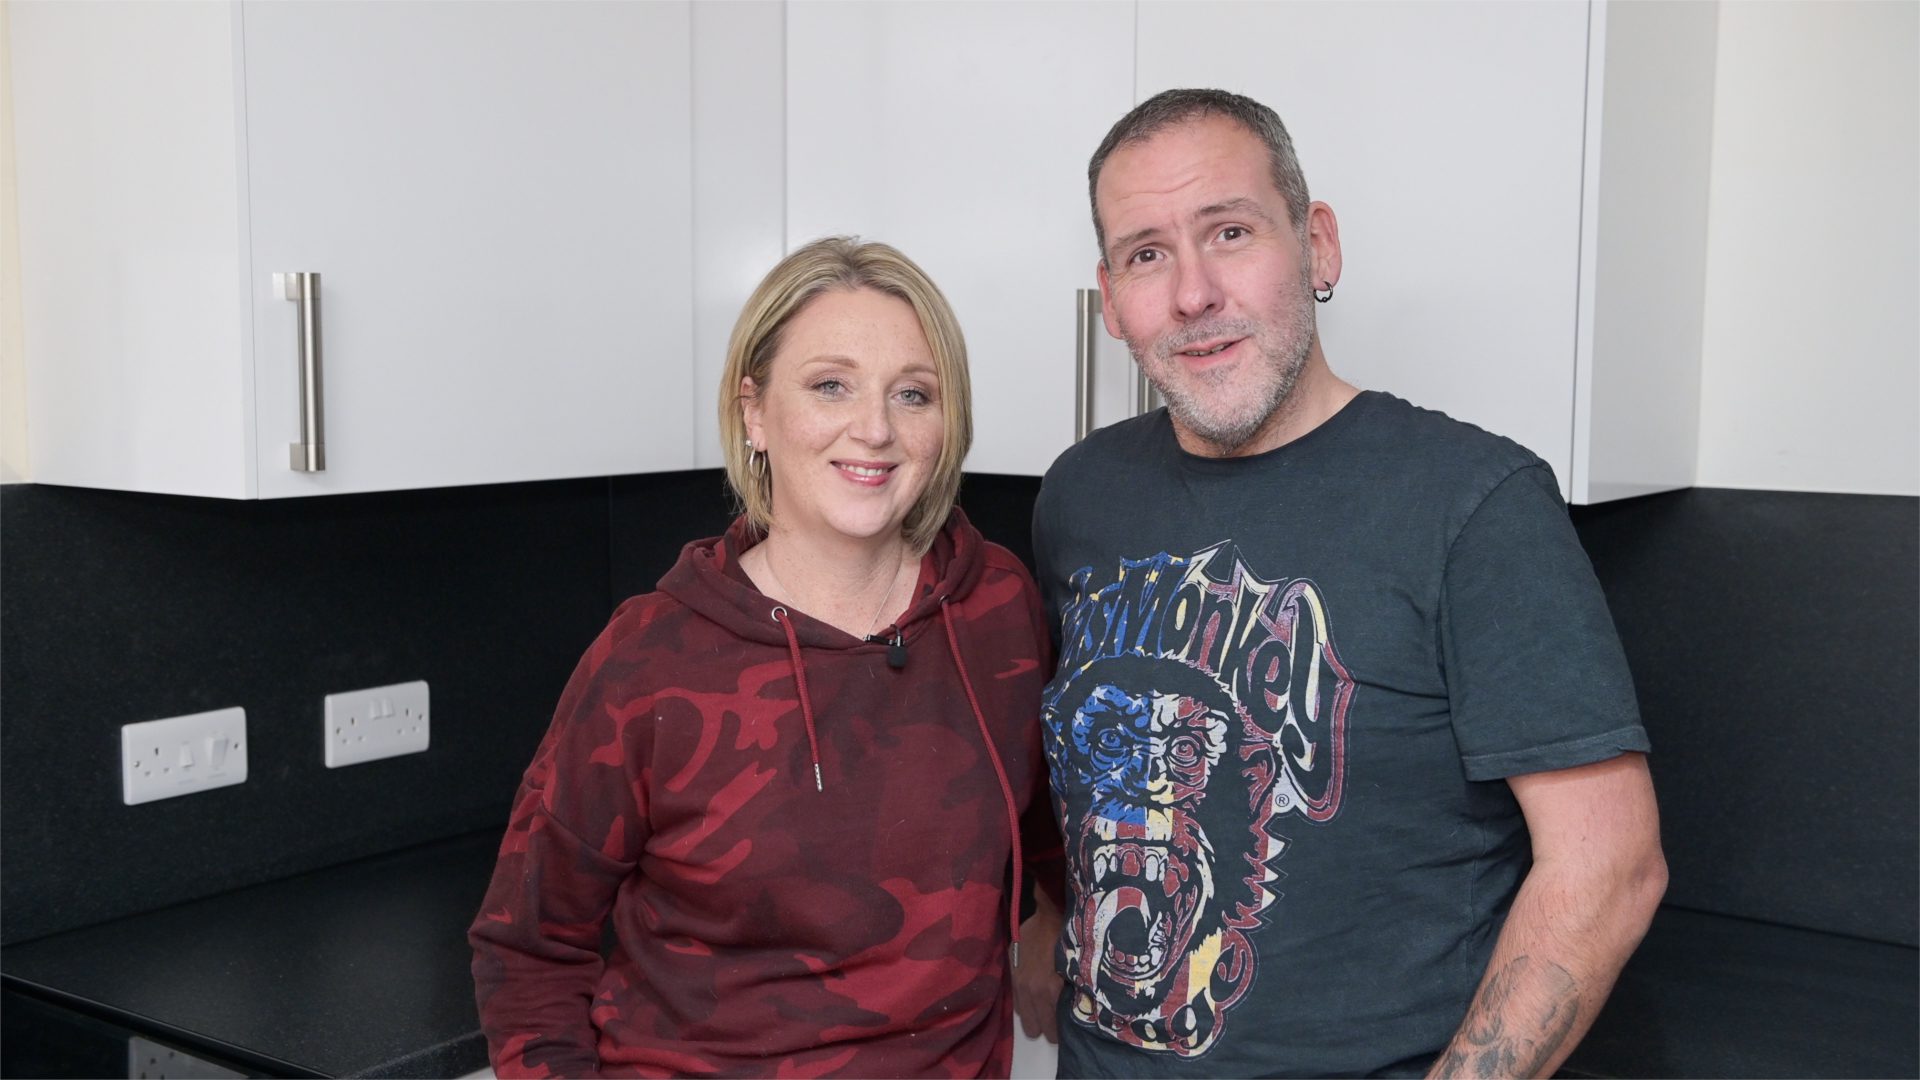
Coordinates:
(850,416)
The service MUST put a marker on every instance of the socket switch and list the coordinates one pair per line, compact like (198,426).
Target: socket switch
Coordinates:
(382,722)
(149,1060)
(180,755)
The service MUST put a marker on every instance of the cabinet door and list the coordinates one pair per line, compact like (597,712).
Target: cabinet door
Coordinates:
(496,197)
(959,133)
(1447,137)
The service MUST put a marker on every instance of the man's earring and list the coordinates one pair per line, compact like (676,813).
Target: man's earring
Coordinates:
(1324,293)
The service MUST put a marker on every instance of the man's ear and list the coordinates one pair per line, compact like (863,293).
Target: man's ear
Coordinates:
(1323,236)
(1106,300)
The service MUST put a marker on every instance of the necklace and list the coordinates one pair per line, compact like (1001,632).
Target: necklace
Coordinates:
(766,559)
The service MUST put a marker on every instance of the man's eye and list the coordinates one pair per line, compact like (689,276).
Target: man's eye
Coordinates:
(1145,256)
(1233,232)
(1111,741)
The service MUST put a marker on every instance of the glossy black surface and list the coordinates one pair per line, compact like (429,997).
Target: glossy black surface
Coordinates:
(48,1038)
(358,970)
(1710,995)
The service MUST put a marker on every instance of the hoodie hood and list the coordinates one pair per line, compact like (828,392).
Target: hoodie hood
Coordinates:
(708,579)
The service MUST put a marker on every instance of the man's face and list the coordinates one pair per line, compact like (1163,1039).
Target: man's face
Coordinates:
(1205,277)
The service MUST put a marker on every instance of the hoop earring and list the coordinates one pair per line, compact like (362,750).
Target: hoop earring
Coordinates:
(1323,294)
(757,464)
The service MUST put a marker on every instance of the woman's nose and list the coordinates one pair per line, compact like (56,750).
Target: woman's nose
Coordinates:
(873,422)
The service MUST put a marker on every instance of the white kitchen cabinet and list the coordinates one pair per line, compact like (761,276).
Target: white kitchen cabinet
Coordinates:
(959,133)
(739,170)
(1521,191)
(496,197)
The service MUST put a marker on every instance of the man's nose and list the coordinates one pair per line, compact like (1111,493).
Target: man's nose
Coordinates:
(1197,289)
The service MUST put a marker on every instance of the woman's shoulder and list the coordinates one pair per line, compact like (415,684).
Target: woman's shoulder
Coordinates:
(1002,562)
(641,626)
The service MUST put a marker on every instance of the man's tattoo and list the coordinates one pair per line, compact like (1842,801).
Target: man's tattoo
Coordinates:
(1491,1043)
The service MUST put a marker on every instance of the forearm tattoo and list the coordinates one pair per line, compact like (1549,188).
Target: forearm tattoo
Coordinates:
(1518,1022)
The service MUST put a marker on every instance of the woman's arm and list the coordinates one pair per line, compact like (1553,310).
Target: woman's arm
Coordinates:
(575,833)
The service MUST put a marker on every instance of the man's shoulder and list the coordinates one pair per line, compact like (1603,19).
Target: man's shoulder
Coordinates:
(1440,440)
(1115,453)
(1418,455)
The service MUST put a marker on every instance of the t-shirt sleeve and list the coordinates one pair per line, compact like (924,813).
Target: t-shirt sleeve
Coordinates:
(1534,670)
(1040,840)
(1049,604)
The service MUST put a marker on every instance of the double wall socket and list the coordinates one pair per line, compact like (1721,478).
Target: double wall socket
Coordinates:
(149,1060)
(182,754)
(382,722)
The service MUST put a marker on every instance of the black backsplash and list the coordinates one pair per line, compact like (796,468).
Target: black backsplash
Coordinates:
(1775,642)
(1773,636)
(116,608)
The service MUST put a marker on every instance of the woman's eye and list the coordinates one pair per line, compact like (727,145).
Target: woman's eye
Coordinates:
(828,386)
(913,395)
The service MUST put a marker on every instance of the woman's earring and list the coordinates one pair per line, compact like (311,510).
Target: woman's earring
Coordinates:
(756,461)
(1324,293)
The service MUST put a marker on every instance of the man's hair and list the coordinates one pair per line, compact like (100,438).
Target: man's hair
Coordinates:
(1172,107)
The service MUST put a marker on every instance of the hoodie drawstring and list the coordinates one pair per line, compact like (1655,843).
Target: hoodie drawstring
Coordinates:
(999,771)
(806,705)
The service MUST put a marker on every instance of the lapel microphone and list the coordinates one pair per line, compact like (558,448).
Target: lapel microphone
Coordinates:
(896,649)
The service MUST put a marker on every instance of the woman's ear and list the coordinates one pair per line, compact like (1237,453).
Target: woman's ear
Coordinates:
(750,411)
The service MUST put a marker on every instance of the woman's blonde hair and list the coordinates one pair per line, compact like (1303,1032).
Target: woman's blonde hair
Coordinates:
(843,263)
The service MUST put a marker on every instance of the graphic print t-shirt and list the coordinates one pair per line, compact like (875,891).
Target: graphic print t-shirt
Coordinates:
(1289,691)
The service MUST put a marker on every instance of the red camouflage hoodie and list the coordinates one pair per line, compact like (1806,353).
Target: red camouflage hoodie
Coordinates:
(763,923)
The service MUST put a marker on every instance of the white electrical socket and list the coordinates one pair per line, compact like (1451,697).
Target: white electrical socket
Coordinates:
(182,754)
(149,1060)
(383,722)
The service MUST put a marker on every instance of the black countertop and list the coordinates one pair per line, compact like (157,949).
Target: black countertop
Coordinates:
(355,970)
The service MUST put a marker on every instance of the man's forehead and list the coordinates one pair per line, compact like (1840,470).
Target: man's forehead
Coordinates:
(1212,162)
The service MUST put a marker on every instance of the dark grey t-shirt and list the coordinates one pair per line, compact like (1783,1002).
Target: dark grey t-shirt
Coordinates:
(1290,687)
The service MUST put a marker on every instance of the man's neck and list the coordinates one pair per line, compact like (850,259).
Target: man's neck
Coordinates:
(1316,396)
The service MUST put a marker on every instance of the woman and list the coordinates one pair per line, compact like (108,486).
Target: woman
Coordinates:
(793,779)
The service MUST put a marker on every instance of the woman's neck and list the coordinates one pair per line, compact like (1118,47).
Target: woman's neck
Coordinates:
(855,586)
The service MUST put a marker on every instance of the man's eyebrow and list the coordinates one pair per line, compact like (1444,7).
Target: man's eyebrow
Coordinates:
(1242,205)
(1133,238)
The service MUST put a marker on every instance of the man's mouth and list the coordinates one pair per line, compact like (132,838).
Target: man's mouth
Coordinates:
(1214,349)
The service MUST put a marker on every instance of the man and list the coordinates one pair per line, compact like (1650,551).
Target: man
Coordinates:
(1347,755)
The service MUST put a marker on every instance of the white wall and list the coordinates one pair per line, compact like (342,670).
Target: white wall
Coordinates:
(1810,373)
(13,363)
(1810,377)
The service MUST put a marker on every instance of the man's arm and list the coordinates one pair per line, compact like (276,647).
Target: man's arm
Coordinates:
(1036,985)
(1597,877)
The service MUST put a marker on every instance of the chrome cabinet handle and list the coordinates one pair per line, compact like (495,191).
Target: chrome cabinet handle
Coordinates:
(1145,398)
(1087,302)
(310,453)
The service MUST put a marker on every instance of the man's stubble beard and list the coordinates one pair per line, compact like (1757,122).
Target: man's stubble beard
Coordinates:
(1229,424)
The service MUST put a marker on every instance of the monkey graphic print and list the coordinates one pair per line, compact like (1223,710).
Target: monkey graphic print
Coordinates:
(1197,718)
